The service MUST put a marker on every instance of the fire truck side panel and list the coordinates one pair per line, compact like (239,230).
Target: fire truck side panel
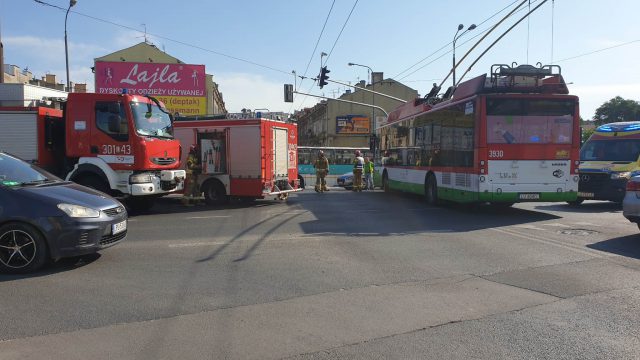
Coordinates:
(280,153)
(244,148)
(19,134)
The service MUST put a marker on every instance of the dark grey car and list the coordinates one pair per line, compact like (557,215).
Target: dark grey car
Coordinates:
(43,217)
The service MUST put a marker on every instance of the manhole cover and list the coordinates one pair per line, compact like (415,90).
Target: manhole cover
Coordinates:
(578,232)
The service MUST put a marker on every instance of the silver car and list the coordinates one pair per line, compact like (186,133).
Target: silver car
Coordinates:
(631,201)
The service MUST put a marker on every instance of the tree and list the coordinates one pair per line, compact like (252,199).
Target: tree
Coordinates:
(617,109)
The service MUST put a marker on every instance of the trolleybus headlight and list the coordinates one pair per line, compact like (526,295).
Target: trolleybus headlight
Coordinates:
(482,179)
(576,178)
(577,162)
(499,190)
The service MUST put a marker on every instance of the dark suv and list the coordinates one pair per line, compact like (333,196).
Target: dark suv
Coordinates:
(43,217)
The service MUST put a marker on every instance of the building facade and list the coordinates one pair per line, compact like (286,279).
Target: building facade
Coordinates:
(335,123)
(148,53)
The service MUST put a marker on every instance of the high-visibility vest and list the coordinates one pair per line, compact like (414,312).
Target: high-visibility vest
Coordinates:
(359,163)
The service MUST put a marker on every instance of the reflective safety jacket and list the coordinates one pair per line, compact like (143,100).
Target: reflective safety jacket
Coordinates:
(359,163)
(321,164)
(368,167)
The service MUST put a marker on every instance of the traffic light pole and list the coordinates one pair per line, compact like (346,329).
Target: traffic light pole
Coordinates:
(346,101)
(367,90)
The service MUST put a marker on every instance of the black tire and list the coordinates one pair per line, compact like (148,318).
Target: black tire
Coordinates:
(502,205)
(215,193)
(576,202)
(22,249)
(301,181)
(431,190)
(139,204)
(94,182)
(385,182)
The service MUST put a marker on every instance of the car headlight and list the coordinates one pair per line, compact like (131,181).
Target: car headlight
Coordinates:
(77,211)
(620,175)
(140,179)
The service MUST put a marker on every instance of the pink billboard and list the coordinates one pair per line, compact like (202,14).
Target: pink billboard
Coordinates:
(153,79)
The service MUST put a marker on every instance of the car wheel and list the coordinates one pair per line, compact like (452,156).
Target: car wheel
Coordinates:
(22,249)
(215,193)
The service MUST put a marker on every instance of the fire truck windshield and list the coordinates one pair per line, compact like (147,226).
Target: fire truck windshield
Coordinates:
(150,120)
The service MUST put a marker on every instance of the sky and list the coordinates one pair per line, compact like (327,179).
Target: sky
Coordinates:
(252,47)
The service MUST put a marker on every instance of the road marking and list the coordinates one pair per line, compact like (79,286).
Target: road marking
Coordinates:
(209,217)
(530,227)
(548,241)
(557,225)
(584,223)
(195,244)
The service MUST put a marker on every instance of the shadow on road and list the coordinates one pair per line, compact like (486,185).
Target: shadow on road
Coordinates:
(382,214)
(588,207)
(173,205)
(60,266)
(626,246)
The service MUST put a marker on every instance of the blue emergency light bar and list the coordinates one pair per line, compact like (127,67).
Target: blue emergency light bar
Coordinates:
(619,127)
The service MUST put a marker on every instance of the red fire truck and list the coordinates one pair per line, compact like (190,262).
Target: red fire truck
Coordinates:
(242,158)
(122,145)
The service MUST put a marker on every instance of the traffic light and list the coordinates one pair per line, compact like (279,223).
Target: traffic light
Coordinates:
(323,76)
(288,93)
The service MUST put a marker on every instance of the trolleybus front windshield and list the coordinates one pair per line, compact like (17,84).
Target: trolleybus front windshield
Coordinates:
(529,121)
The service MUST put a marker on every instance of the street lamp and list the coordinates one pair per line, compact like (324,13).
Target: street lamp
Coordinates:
(455,38)
(66,49)
(373,96)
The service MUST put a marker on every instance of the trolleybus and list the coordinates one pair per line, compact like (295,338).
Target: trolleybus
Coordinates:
(509,137)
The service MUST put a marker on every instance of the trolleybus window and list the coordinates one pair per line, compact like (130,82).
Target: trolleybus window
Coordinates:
(529,121)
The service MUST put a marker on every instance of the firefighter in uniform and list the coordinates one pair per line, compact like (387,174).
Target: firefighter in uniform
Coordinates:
(322,169)
(191,191)
(358,167)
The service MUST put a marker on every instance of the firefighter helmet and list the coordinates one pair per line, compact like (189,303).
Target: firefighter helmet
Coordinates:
(357,152)
(321,153)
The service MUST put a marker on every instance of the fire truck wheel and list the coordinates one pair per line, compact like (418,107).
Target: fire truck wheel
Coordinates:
(94,182)
(214,193)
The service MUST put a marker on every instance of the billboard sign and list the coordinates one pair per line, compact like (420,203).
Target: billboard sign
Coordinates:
(182,87)
(353,125)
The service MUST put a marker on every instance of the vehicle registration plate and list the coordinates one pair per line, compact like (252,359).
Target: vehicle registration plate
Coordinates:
(586,194)
(119,227)
(529,196)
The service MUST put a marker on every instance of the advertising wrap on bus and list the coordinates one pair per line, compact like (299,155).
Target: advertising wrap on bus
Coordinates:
(607,161)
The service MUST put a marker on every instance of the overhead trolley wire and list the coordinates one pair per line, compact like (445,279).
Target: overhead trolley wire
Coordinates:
(169,39)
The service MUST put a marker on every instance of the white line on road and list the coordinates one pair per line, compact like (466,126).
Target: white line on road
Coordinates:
(195,244)
(548,241)
(557,225)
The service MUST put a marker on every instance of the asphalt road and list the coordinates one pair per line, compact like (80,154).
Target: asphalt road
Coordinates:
(340,275)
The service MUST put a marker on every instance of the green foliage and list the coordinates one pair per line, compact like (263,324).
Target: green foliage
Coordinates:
(586,133)
(617,109)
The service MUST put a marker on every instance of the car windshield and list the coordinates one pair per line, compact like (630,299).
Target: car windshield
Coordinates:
(626,150)
(15,172)
(150,120)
